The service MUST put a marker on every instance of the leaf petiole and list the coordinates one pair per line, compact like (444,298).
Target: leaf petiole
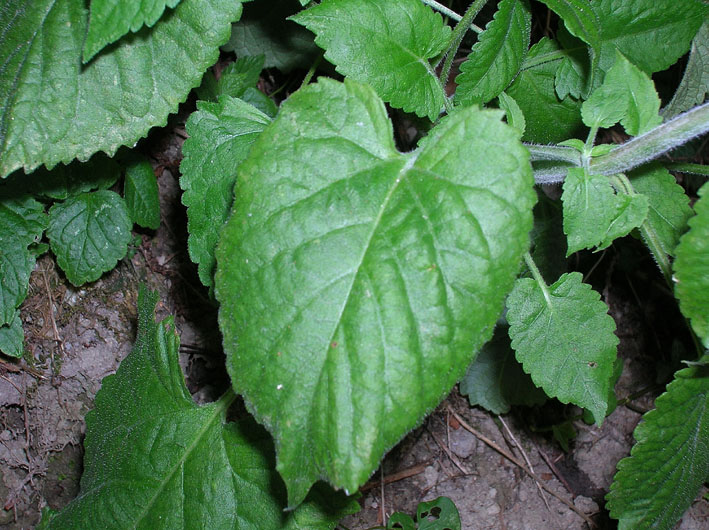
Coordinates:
(538,278)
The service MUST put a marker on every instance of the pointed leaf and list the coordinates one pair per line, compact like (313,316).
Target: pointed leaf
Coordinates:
(670,461)
(88,234)
(564,339)
(356,282)
(140,190)
(54,109)
(692,268)
(264,29)
(154,459)
(109,20)
(12,337)
(628,96)
(22,219)
(594,215)
(694,86)
(16,265)
(234,80)
(513,114)
(497,56)
(669,208)
(496,381)
(385,44)
(221,135)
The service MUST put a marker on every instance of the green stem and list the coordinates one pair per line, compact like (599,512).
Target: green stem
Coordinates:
(457,37)
(449,13)
(538,278)
(685,167)
(654,143)
(554,153)
(311,72)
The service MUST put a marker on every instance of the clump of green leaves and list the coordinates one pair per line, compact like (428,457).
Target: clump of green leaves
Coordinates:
(356,282)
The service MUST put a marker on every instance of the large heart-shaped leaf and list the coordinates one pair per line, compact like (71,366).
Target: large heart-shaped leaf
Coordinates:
(356,283)
(54,109)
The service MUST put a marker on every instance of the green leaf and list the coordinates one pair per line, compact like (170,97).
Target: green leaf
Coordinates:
(670,461)
(221,135)
(140,190)
(109,20)
(54,109)
(628,96)
(155,459)
(356,282)
(573,76)
(16,265)
(548,240)
(88,234)
(496,381)
(594,215)
(264,29)
(564,339)
(497,56)
(514,114)
(669,208)
(12,337)
(385,44)
(692,268)
(694,86)
(62,182)
(234,80)
(438,514)
(22,219)
(549,119)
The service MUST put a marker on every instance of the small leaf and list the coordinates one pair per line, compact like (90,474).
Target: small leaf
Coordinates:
(573,76)
(497,57)
(564,339)
(54,109)
(12,337)
(496,381)
(111,19)
(62,182)
(692,268)
(669,208)
(221,135)
(400,521)
(628,96)
(88,234)
(694,86)
(548,118)
(514,114)
(16,265)
(385,44)
(140,190)
(155,459)
(234,80)
(593,214)
(670,461)
(446,518)
(22,219)
(380,272)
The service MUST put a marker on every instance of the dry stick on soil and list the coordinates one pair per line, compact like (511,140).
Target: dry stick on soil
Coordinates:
(448,452)
(381,488)
(518,462)
(57,339)
(400,475)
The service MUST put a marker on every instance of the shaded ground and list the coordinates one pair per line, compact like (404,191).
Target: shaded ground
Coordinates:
(75,337)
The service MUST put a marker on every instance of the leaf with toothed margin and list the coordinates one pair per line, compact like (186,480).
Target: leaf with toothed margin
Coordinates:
(12,337)
(357,282)
(388,45)
(54,109)
(140,190)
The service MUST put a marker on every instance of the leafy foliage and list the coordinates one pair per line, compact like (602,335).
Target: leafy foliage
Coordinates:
(53,109)
(695,82)
(497,56)
(140,191)
(670,461)
(384,262)
(446,518)
(12,337)
(574,364)
(154,459)
(692,268)
(389,45)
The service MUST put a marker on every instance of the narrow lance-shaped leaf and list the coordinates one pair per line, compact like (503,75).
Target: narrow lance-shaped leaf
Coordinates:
(564,339)
(692,268)
(156,460)
(497,56)
(88,234)
(670,461)
(109,20)
(694,86)
(54,109)
(140,190)
(221,135)
(355,282)
(385,44)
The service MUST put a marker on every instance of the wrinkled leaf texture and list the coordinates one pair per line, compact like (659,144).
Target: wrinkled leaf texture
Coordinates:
(154,459)
(54,109)
(356,282)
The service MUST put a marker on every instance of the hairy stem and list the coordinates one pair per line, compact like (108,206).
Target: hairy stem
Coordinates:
(457,38)
(538,278)
(449,13)
(684,167)
(553,153)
